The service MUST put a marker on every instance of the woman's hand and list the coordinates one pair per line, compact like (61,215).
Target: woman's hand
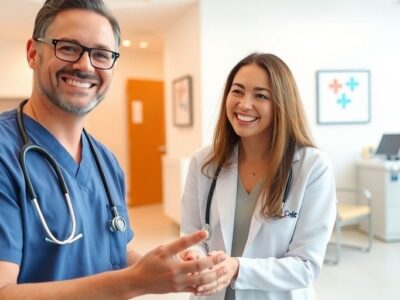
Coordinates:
(163,266)
(231,264)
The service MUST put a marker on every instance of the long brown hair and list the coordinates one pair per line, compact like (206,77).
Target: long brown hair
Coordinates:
(290,130)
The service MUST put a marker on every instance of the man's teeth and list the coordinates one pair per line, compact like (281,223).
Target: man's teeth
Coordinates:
(246,118)
(78,84)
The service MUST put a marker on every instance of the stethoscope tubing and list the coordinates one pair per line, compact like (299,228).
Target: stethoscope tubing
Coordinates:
(210,195)
(64,189)
(101,172)
(22,160)
(207,224)
(116,224)
(72,238)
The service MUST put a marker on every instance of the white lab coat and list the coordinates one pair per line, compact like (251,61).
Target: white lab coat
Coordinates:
(282,257)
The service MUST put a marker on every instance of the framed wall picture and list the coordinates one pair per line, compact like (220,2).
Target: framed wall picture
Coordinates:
(343,97)
(182,101)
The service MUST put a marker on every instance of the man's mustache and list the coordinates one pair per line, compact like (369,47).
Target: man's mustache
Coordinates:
(79,74)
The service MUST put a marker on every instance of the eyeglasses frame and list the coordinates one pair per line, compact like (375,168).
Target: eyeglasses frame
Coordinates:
(54,42)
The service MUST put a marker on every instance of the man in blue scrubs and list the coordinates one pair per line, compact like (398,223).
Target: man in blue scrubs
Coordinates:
(72,54)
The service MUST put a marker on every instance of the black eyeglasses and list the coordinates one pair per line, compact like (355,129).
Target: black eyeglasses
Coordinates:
(72,52)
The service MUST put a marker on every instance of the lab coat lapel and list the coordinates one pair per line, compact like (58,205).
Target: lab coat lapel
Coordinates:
(226,190)
(256,220)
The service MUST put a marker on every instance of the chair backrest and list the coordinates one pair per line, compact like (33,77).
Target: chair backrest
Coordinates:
(353,196)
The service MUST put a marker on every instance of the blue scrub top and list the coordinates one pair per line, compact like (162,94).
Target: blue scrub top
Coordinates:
(21,232)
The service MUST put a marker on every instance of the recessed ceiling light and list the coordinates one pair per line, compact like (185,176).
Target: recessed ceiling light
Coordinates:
(126,43)
(143,45)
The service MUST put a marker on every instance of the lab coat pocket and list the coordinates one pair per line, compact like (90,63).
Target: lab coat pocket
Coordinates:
(279,233)
(118,241)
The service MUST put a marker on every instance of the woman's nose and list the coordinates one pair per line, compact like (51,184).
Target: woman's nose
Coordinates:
(246,102)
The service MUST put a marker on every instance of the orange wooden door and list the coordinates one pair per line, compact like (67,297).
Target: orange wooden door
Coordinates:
(146,140)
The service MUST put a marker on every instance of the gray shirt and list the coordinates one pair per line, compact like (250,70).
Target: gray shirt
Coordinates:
(245,204)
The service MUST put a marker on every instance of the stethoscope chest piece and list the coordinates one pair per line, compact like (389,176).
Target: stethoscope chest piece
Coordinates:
(118,223)
(207,228)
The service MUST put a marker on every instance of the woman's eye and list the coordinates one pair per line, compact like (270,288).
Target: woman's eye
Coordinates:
(262,96)
(236,92)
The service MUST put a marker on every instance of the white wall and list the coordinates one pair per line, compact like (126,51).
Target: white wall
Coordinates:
(16,76)
(309,36)
(182,57)
(212,36)
(108,122)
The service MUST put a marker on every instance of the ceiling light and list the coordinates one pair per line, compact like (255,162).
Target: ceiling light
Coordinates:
(143,45)
(126,43)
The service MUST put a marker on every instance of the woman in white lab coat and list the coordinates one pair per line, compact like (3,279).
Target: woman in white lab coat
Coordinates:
(273,207)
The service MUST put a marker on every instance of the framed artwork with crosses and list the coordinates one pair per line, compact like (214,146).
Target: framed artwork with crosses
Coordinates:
(343,97)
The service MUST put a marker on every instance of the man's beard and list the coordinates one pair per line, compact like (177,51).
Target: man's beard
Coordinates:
(62,102)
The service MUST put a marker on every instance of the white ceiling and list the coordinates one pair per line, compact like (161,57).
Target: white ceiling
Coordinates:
(139,19)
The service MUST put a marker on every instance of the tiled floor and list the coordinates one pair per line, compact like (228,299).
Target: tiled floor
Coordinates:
(359,276)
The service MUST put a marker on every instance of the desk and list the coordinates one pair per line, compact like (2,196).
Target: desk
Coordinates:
(382,179)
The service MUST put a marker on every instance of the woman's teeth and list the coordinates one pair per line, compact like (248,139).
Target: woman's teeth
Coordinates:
(246,118)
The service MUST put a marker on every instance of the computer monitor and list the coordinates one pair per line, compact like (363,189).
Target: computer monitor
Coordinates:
(389,146)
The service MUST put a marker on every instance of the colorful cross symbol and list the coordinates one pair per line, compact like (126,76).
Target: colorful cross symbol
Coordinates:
(335,86)
(343,101)
(352,84)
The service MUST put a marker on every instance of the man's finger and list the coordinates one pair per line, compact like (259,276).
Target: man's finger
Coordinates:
(184,243)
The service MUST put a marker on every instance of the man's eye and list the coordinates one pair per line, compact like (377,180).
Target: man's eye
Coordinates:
(68,50)
(101,55)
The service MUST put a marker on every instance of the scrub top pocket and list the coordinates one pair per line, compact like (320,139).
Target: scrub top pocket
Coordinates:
(118,240)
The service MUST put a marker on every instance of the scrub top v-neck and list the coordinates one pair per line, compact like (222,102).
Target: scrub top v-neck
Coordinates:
(23,240)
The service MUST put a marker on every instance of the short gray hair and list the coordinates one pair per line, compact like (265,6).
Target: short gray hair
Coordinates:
(51,8)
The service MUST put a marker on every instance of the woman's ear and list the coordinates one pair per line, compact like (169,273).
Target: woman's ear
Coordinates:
(31,53)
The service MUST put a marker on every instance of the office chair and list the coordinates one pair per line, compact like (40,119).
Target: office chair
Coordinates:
(351,214)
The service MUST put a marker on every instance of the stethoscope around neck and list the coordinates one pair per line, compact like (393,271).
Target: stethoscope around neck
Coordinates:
(207,224)
(116,224)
